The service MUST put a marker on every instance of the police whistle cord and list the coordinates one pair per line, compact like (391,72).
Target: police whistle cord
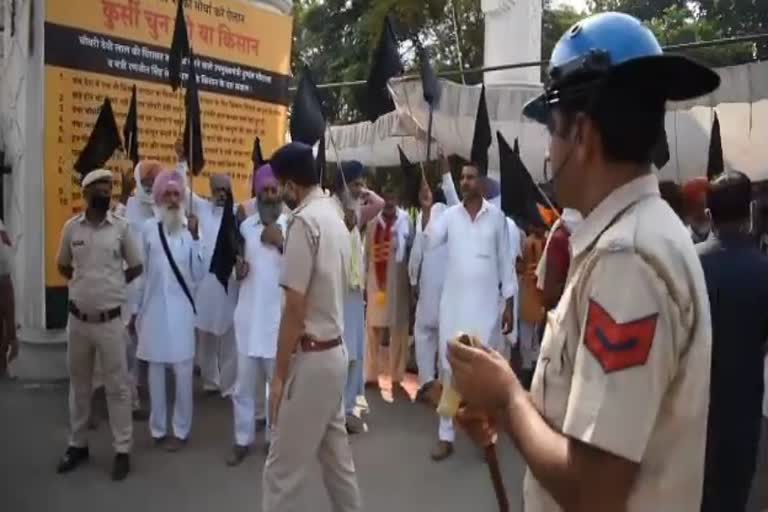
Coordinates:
(492,460)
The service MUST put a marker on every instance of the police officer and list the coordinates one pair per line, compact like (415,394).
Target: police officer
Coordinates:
(306,403)
(617,414)
(737,281)
(95,245)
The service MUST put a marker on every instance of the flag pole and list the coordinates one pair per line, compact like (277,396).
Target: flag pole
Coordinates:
(410,111)
(338,158)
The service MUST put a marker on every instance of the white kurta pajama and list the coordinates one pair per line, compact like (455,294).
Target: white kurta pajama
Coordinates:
(217,354)
(394,312)
(166,325)
(426,269)
(257,323)
(479,264)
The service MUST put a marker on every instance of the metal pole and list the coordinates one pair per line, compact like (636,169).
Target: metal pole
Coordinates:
(457,36)
(538,63)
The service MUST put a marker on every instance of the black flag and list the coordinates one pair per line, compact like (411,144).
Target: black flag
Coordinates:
(481,140)
(307,118)
(179,47)
(131,130)
(193,127)
(429,83)
(411,181)
(257,157)
(519,195)
(386,64)
(431,88)
(660,155)
(102,143)
(327,181)
(715,164)
(225,250)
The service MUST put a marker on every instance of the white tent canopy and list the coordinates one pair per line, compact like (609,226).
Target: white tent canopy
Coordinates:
(741,103)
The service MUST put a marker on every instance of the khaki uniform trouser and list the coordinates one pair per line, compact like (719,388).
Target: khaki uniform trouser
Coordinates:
(85,341)
(311,423)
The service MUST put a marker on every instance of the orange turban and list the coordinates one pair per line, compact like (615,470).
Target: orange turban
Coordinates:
(695,193)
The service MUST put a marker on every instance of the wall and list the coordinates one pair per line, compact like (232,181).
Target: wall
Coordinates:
(21,114)
(21,138)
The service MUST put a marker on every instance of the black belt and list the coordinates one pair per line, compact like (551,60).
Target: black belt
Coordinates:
(309,344)
(94,318)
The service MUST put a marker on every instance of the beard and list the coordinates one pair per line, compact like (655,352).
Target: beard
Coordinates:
(269,211)
(172,219)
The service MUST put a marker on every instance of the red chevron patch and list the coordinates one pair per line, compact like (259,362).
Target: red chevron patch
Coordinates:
(618,346)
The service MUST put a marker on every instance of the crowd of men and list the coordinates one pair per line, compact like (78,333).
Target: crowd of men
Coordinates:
(601,330)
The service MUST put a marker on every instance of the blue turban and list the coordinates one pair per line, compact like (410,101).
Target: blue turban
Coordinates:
(352,170)
(295,162)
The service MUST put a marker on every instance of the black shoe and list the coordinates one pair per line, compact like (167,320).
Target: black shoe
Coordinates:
(72,458)
(121,467)
(239,453)
(140,415)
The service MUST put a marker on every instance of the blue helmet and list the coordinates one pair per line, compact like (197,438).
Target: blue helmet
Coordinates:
(609,44)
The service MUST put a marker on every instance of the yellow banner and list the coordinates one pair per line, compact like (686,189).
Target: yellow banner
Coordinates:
(242,95)
(230,30)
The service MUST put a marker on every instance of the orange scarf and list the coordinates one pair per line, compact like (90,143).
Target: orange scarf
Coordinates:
(382,250)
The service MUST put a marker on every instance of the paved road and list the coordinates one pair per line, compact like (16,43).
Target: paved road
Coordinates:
(393,464)
(392,459)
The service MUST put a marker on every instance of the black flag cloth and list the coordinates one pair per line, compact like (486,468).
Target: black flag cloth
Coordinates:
(481,140)
(179,47)
(660,155)
(307,118)
(225,250)
(386,64)
(102,143)
(519,195)
(715,164)
(193,126)
(411,181)
(257,157)
(431,88)
(131,130)
(429,83)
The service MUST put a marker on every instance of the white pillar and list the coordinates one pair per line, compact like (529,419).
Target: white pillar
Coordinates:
(512,34)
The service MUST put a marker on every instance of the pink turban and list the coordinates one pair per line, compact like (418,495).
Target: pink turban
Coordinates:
(264,176)
(165,181)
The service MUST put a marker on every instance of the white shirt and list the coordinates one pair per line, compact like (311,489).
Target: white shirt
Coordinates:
(166,320)
(259,306)
(426,267)
(479,264)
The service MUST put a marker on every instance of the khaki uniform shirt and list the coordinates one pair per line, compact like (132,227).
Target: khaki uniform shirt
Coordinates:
(315,262)
(97,255)
(625,361)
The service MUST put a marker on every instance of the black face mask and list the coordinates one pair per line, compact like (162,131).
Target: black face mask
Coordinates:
(99,203)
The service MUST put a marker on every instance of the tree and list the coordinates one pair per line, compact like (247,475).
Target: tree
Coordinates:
(686,21)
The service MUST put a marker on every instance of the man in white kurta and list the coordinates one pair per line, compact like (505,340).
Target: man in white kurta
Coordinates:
(359,206)
(388,290)
(217,354)
(426,271)
(166,315)
(479,264)
(258,311)
(139,208)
